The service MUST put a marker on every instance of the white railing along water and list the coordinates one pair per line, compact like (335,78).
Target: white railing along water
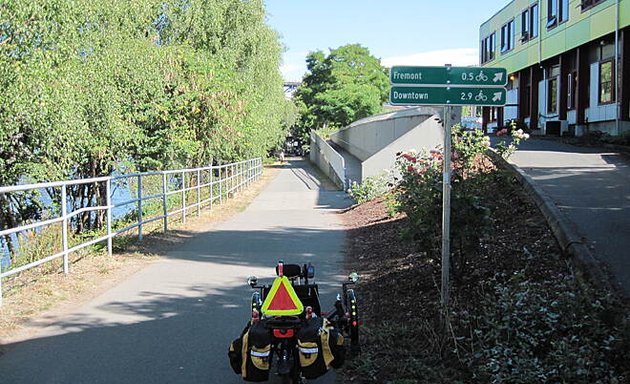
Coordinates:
(209,185)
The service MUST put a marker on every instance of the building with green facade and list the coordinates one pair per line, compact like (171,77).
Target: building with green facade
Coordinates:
(568,63)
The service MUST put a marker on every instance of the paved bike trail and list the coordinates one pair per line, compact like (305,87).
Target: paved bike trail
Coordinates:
(172,322)
(591,187)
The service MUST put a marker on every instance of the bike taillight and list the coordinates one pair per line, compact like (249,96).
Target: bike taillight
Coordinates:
(283,333)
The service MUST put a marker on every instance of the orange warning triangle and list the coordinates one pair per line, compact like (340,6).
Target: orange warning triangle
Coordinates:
(282,299)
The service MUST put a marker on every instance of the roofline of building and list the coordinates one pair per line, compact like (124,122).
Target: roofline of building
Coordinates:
(496,13)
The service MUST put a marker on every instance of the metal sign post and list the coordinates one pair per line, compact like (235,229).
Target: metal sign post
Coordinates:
(447,86)
(446,209)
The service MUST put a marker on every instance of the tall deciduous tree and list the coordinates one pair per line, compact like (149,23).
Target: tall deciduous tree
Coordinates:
(92,86)
(347,85)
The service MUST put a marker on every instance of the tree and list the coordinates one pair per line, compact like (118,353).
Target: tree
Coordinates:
(89,88)
(347,85)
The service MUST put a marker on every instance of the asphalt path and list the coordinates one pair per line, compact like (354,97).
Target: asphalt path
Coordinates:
(172,322)
(591,187)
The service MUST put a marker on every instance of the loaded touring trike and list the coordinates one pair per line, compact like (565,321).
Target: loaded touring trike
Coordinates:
(289,334)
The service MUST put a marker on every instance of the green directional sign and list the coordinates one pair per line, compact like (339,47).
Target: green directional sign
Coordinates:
(405,95)
(455,76)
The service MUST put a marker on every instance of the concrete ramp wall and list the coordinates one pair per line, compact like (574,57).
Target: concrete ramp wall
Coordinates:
(328,161)
(429,134)
(366,137)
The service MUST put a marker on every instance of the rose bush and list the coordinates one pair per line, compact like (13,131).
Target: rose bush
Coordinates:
(419,195)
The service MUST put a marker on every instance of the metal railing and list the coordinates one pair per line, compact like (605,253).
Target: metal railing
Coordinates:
(189,189)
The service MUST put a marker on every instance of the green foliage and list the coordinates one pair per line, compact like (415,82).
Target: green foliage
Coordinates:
(92,87)
(419,195)
(553,331)
(347,85)
(599,138)
(515,125)
(506,148)
(372,187)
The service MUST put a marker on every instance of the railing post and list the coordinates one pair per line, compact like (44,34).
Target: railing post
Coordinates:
(108,191)
(198,192)
(165,201)
(247,169)
(234,186)
(220,186)
(140,207)
(183,197)
(211,187)
(64,227)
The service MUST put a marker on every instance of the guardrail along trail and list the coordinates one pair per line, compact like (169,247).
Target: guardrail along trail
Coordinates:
(172,322)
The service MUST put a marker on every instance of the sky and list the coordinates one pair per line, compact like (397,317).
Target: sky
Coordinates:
(399,32)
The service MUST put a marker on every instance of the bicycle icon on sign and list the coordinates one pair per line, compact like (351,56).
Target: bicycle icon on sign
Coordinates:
(481,96)
(481,76)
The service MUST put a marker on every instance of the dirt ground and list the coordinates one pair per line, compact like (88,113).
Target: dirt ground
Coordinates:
(399,293)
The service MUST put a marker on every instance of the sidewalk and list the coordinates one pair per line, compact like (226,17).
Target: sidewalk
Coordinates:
(591,188)
(172,322)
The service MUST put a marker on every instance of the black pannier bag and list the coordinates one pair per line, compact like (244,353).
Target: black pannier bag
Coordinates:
(320,346)
(250,354)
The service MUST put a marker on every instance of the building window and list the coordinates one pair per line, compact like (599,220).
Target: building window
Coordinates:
(557,12)
(588,4)
(533,20)
(564,10)
(507,36)
(552,97)
(552,89)
(606,82)
(525,25)
(571,90)
(494,114)
(529,23)
(488,48)
(552,13)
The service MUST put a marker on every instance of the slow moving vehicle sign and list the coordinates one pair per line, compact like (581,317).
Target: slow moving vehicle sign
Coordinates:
(282,299)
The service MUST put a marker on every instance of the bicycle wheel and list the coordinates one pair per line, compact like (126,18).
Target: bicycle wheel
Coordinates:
(353,310)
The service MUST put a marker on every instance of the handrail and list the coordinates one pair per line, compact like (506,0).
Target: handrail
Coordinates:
(230,178)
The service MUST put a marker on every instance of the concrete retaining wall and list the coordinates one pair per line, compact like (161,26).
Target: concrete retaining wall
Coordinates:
(366,137)
(328,160)
(429,134)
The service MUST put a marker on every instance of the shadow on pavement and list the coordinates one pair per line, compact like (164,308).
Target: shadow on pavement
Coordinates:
(174,343)
(179,329)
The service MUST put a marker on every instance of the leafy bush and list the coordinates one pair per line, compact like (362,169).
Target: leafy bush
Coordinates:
(419,195)
(599,137)
(505,148)
(371,187)
(515,125)
(554,331)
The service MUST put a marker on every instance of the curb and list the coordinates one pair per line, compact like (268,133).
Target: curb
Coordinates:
(562,228)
